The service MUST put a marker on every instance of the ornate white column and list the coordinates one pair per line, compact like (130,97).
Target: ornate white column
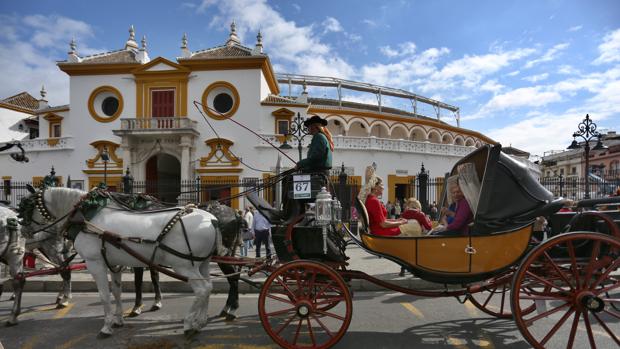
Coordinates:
(186,144)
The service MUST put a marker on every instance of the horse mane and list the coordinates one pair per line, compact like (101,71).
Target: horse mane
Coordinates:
(65,198)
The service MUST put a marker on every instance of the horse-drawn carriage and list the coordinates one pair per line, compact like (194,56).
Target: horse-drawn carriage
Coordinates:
(569,280)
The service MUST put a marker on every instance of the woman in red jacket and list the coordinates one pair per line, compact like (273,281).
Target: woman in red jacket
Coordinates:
(413,211)
(379,224)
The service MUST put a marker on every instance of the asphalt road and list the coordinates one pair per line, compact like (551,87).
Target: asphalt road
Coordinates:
(380,320)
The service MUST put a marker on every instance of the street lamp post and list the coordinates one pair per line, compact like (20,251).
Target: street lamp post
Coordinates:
(298,131)
(105,157)
(587,132)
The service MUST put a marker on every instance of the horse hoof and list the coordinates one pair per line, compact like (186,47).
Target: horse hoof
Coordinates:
(189,334)
(136,311)
(62,305)
(156,306)
(103,335)
(223,314)
(115,325)
(230,317)
(10,323)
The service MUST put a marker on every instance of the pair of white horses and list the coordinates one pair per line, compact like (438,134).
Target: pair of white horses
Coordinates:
(13,246)
(202,237)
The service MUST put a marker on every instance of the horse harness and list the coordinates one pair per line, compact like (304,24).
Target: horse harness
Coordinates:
(93,202)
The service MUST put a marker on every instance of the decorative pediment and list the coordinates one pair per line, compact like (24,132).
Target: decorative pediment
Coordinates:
(51,117)
(283,113)
(220,155)
(160,65)
(111,147)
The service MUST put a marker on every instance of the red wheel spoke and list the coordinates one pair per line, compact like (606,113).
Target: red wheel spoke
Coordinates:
(603,276)
(322,291)
(488,298)
(586,319)
(557,270)
(573,330)
(285,324)
(614,314)
(557,326)
(611,300)
(332,315)
(595,251)
(607,289)
(545,298)
(283,300)
(297,331)
(545,282)
(573,262)
(286,288)
(331,300)
(311,333)
(311,282)
(545,314)
(501,309)
(611,334)
(329,333)
(280,312)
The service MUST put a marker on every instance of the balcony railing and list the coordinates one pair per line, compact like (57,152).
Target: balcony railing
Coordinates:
(152,124)
(45,144)
(384,144)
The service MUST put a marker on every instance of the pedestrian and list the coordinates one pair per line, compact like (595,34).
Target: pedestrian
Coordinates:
(389,208)
(248,234)
(261,227)
(434,211)
(397,209)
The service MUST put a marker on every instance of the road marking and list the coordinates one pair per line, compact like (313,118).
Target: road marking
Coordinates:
(31,342)
(413,309)
(471,308)
(458,343)
(72,342)
(236,346)
(62,312)
(484,342)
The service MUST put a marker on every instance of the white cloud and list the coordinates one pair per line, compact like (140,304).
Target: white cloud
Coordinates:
(550,55)
(610,48)
(404,49)
(370,22)
(522,97)
(567,70)
(536,78)
(513,73)
(492,86)
(296,7)
(575,28)
(331,24)
(296,48)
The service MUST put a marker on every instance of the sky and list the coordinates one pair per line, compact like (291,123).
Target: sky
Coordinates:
(524,73)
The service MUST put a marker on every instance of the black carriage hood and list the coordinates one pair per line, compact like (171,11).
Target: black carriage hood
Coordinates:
(509,196)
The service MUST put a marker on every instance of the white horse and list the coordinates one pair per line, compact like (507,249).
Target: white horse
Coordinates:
(201,236)
(12,249)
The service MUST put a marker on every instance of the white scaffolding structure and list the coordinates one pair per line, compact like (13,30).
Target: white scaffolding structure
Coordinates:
(378,91)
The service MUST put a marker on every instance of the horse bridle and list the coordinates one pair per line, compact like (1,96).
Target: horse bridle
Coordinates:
(40,206)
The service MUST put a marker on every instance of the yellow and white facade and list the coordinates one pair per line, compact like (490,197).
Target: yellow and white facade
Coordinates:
(136,109)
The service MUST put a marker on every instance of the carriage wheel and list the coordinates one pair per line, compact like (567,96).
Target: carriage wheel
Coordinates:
(495,298)
(576,296)
(305,304)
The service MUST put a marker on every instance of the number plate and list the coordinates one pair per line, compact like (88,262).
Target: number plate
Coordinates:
(301,187)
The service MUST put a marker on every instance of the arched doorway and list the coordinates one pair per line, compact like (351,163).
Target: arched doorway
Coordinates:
(163,177)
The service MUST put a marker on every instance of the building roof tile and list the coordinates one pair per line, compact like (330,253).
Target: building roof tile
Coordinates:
(223,51)
(22,100)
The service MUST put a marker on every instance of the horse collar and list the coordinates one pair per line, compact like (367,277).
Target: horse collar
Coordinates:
(40,205)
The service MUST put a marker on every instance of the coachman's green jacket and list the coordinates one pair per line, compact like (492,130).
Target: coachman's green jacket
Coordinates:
(319,156)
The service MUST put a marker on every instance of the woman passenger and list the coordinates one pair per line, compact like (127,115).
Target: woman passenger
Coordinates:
(462,216)
(377,213)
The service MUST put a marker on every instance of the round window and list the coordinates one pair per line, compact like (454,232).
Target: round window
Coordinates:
(220,100)
(223,102)
(109,106)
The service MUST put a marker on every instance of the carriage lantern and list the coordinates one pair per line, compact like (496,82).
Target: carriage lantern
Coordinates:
(323,206)
(336,211)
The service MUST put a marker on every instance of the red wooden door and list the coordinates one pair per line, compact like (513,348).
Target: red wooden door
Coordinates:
(151,176)
(163,107)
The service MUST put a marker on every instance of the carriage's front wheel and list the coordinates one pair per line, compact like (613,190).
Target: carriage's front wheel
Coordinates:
(575,294)
(305,304)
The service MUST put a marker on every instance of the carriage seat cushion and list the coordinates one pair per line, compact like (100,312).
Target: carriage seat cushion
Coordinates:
(362,214)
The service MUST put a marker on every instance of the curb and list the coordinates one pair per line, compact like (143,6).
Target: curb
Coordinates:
(219,286)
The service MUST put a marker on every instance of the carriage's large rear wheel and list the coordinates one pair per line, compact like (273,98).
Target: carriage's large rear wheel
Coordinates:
(576,296)
(305,304)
